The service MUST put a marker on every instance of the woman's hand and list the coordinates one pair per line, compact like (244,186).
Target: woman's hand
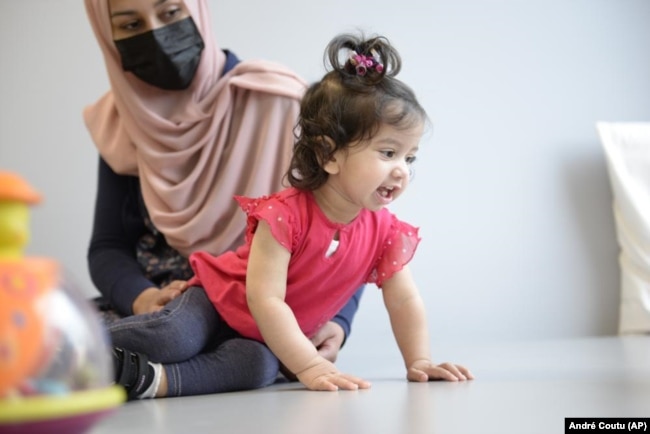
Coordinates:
(153,299)
(328,340)
(323,375)
(425,370)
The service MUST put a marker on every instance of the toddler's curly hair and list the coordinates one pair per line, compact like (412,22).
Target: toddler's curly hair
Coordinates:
(348,105)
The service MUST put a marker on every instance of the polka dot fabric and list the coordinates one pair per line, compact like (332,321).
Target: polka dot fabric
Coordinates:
(398,251)
(274,212)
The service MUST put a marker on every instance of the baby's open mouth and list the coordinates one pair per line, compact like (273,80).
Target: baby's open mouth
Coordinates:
(385,191)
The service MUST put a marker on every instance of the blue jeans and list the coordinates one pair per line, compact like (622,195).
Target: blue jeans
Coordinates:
(200,353)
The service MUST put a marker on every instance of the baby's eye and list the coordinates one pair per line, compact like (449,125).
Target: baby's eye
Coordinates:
(410,159)
(388,153)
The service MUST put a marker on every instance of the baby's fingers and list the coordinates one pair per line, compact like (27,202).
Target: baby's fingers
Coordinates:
(322,384)
(431,373)
(466,372)
(450,368)
(338,382)
(350,382)
(444,371)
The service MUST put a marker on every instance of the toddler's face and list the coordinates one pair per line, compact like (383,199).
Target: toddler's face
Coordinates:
(375,172)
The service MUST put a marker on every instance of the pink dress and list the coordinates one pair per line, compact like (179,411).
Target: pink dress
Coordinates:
(371,249)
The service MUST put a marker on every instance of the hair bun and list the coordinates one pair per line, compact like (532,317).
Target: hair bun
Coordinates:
(367,59)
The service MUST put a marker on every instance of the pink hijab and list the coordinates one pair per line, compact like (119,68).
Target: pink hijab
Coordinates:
(193,150)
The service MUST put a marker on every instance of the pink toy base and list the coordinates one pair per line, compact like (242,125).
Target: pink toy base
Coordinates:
(78,424)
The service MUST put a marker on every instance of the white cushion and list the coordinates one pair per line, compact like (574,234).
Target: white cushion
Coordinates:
(627,151)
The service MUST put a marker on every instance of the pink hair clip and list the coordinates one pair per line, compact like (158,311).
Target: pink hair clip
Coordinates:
(363,63)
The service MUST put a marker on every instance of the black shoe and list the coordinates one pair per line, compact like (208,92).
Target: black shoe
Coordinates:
(132,371)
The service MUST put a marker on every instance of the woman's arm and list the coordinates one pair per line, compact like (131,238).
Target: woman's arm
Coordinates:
(266,282)
(346,315)
(408,321)
(117,226)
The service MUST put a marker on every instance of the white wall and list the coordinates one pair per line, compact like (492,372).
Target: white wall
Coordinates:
(511,189)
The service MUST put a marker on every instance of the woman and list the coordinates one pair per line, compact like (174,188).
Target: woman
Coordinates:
(184,128)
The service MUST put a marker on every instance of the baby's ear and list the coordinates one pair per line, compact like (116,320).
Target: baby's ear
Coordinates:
(328,152)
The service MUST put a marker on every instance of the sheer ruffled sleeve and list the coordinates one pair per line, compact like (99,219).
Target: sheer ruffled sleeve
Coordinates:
(398,250)
(274,212)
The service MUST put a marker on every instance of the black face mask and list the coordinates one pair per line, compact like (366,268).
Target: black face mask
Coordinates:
(166,57)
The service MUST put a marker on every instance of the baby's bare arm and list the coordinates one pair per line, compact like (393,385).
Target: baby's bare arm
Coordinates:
(408,321)
(266,281)
(407,316)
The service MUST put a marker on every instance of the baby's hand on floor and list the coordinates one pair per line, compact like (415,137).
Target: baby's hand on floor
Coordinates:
(425,370)
(339,381)
(324,376)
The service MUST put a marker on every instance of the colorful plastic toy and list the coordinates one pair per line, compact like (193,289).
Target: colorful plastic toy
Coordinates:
(55,365)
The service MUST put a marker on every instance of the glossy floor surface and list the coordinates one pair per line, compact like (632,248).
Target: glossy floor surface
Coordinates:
(519,388)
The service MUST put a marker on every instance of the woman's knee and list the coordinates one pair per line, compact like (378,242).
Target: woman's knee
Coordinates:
(258,360)
(178,332)
(188,325)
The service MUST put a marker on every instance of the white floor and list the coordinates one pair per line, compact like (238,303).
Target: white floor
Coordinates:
(520,388)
